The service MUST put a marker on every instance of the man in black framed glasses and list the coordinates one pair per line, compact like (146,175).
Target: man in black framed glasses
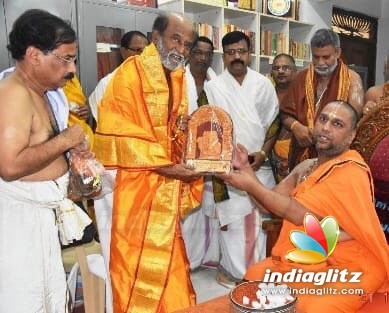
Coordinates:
(252,103)
(283,72)
(132,43)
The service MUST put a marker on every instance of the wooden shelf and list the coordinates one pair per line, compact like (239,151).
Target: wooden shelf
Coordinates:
(215,13)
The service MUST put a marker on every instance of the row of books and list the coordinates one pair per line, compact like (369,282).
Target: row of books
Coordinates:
(212,32)
(299,50)
(241,4)
(230,28)
(273,43)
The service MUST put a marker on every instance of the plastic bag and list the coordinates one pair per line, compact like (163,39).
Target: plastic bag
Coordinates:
(88,177)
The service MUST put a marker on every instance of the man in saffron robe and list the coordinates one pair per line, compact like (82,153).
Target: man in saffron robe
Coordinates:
(139,134)
(323,187)
(327,79)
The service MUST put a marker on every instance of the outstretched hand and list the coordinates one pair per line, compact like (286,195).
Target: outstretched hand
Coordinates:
(243,176)
(241,159)
(180,172)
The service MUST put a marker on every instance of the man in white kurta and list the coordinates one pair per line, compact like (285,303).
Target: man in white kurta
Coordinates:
(198,228)
(252,103)
(132,43)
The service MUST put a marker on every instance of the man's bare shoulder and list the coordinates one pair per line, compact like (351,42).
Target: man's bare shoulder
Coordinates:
(14,95)
(374,92)
(355,77)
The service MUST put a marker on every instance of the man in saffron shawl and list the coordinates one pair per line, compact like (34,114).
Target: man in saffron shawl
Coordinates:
(139,134)
(327,79)
(323,187)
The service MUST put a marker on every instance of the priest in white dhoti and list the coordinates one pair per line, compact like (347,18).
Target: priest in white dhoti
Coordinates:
(197,228)
(34,210)
(252,103)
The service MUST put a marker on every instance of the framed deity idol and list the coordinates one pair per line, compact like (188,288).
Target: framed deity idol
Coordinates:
(280,8)
(209,143)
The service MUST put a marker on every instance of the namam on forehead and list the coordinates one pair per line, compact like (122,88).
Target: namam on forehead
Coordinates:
(335,110)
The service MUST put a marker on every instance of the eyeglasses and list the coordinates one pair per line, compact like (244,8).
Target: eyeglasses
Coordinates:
(198,53)
(66,60)
(236,51)
(285,68)
(136,51)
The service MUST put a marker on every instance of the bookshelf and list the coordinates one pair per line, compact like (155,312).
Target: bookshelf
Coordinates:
(270,34)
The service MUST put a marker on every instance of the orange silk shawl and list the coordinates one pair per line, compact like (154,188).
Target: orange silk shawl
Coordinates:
(148,266)
(340,188)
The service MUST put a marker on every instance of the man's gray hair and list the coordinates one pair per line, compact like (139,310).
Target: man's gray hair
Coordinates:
(324,37)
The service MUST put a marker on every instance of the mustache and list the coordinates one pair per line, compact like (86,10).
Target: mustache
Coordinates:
(180,58)
(237,62)
(69,76)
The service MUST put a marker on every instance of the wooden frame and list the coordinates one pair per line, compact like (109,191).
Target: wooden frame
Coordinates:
(279,8)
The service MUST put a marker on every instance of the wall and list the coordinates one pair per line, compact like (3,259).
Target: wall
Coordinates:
(14,8)
(319,12)
(368,7)
(383,42)
(4,60)
(316,12)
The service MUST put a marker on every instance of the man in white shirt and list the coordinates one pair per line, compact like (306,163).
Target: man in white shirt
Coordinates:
(198,228)
(252,103)
(132,43)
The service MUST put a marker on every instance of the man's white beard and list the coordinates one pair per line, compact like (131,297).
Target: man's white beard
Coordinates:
(172,60)
(329,70)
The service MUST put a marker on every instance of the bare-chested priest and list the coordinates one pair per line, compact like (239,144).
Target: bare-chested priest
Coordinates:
(33,164)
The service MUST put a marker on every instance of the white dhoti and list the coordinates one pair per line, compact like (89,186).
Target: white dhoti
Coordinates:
(103,213)
(200,233)
(252,105)
(199,230)
(32,277)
